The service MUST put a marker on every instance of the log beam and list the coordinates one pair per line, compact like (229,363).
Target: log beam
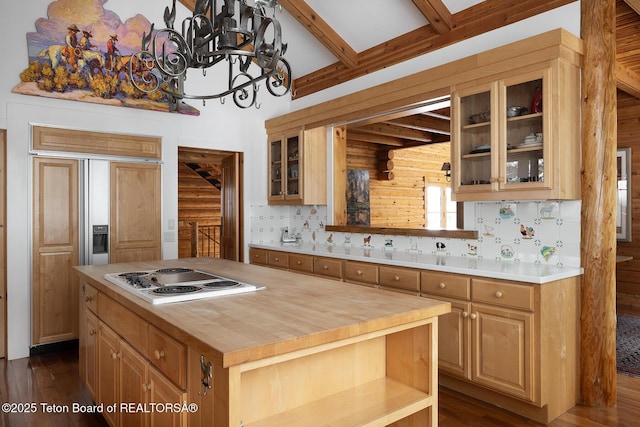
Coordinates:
(598,241)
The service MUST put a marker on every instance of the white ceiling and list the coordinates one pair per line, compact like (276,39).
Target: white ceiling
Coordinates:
(361,23)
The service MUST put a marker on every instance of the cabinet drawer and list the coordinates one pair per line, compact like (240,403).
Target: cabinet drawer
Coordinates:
(328,267)
(301,263)
(401,278)
(278,259)
(90,297)
(258,256)
(168,355)
(504,294)
(447,285)
(361,272)
(126,324)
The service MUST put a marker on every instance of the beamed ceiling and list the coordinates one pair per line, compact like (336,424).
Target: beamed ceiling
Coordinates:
(430,123)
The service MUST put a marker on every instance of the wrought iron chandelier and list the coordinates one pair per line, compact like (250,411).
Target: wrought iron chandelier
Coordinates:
(234,33)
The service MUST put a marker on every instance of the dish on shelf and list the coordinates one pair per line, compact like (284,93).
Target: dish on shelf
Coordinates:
(485,116)
(516,110)
(529,145)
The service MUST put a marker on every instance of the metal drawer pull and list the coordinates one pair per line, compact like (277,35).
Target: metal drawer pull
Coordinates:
(442,285)
(359,272)
(498,294)
(465,314)
(474,316)
(299,262)
(277,259)
(326,267)
(396,278)
(159,354)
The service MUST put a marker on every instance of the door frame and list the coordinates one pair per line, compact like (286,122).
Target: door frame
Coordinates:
(3,243)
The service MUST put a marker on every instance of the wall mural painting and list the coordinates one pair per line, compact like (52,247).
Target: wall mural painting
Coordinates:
(82,52)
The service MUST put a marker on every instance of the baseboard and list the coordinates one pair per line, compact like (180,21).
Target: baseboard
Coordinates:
(54,346)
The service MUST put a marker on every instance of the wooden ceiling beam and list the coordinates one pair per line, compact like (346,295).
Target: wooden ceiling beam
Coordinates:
(478,19)
(424,123)
(374,139)
(627,80)
(634,4)
(437,14)
(308,18)
(396,132)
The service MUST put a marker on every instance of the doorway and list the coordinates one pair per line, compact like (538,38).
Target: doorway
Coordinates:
(210,203)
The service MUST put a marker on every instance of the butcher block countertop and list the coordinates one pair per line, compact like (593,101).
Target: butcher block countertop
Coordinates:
(293,313)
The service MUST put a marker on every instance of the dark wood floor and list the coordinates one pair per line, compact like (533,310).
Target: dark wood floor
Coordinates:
(52,378)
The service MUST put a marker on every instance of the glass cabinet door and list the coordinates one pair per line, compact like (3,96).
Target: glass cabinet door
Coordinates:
(525,133)
(294,168)
(276,190)
(476,139)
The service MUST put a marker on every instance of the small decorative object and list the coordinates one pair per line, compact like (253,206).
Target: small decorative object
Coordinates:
(347,240)
(367,241)
(473,249)
(313,236)
(516,111)
(306,224)
(527,232)
(547,251)
(506,213)
(536,100)
(440,246)
(506,251)
(546,212)
(298,211)
(314,211)
(330,238)
(388,243)
(488,230)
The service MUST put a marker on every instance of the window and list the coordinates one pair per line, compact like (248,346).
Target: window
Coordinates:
(440,209)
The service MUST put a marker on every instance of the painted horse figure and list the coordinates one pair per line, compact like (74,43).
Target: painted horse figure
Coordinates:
(55,53)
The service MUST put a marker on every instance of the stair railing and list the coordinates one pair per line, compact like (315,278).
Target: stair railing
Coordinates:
(205,240)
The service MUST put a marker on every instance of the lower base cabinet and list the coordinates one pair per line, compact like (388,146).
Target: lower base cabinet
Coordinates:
(511,344)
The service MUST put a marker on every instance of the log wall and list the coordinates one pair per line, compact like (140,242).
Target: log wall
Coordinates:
(628,273)
(198,201)
(399,202)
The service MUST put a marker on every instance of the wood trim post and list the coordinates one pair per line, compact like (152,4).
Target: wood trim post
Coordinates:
(194,239)
(598,246)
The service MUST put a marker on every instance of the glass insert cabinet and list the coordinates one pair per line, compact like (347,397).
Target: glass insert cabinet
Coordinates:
(285,167)
(503,137)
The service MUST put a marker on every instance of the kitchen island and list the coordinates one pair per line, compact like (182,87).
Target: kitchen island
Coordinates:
(304,351)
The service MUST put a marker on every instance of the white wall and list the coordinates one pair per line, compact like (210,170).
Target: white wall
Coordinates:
(219,127)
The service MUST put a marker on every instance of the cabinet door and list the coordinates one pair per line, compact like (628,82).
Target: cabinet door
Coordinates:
(502,342)
(135,212)
(526,132)
(55,250)
(108,345)
(132,385)
(162,391)
(90,353)
(276,170)
(454,340)
(295,173)
(475,139)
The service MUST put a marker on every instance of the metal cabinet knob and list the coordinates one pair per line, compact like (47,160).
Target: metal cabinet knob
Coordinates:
(498,294)
(396,278)
(474,316)
(158,354)
(465,314)
(442,285)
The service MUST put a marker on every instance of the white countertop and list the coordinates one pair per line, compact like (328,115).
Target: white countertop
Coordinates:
(469,265)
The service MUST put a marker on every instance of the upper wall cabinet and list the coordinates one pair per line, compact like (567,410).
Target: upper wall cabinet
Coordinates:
(517,136)
(298,168)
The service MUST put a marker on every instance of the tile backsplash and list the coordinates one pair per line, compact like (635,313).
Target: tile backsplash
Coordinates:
(546,232)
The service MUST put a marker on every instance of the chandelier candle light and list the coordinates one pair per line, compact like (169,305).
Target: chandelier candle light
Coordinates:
(234,33)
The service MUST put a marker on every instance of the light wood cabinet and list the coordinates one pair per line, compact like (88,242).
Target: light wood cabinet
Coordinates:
(361,273)
(128,363)
(510,344)
(258,256)
(278,259)
(517,135)
(400,279)
(330,268)
(88,342)
(298,167)
(301,263)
